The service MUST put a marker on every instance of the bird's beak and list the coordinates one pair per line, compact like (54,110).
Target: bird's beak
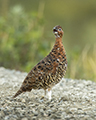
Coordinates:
(55,31)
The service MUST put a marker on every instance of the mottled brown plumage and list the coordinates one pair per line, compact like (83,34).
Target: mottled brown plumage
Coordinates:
(49,71)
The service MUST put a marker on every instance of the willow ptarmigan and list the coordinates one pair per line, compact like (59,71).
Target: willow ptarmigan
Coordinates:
(49,71)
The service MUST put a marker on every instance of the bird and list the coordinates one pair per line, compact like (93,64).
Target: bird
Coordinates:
(50,70)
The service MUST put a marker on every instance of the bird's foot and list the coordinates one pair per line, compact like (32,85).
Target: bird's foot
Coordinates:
(49,92)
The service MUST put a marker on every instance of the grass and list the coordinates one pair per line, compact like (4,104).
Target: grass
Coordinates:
(84,66)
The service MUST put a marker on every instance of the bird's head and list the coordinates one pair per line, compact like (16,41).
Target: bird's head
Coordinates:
(58,32)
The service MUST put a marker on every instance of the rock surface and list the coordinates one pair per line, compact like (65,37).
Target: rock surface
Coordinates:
(71,100)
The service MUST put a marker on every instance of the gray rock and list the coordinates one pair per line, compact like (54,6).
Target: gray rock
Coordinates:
(71,99)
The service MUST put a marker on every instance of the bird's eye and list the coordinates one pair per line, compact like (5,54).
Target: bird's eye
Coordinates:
(59,29)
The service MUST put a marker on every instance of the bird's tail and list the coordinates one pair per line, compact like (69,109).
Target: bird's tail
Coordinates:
(18,93)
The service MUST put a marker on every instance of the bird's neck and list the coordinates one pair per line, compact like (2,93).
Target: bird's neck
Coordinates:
(58,41)
(58,45)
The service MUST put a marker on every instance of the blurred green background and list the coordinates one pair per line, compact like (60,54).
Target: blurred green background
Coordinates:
(26,34)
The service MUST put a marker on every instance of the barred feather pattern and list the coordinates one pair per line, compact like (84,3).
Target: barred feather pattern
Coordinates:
(49,71)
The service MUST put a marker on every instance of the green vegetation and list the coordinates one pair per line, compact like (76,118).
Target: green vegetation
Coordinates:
(83,65)
(22,45)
